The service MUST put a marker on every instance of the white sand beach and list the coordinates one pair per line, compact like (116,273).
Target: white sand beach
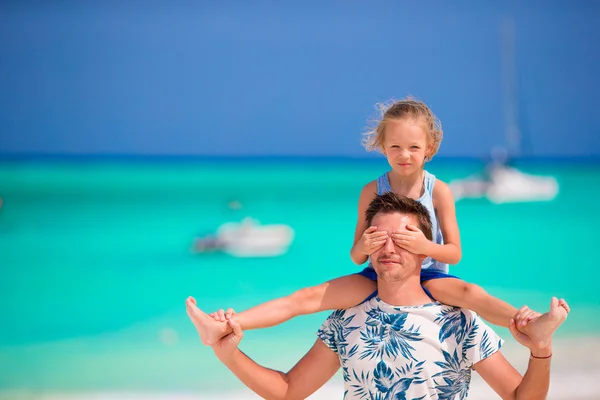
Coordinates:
(575,376)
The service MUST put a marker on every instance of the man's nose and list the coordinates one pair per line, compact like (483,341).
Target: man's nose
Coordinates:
(389,246)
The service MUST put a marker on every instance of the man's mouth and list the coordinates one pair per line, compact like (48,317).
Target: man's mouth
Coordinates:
(388,261)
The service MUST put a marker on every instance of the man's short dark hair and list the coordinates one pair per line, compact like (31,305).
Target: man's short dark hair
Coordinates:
(391,202)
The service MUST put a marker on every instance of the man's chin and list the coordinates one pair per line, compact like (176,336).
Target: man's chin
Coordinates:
(390,277)
(387,271)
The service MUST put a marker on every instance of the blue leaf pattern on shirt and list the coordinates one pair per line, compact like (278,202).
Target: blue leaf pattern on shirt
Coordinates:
(385,334)
(456,378)
(453,322)
(386,383)
(380,351)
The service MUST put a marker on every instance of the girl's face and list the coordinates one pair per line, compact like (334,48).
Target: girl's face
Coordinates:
(405,145)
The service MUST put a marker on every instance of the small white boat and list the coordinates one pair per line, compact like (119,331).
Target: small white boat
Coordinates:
(511,185)
(506,185)
(250,239)
(500,183)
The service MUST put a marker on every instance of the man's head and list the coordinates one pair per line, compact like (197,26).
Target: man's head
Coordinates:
(391,212)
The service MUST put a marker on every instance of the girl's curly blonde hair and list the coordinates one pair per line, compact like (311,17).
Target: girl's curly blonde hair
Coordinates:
(403,109)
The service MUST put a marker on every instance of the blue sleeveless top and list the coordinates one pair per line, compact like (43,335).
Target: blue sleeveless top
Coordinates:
(383,186)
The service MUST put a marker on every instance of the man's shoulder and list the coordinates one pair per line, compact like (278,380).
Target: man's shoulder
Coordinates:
(355,315)
(456,316)
(352,312)
(337,331)
(470,315)
(464,324)
(452,310)
(435,311)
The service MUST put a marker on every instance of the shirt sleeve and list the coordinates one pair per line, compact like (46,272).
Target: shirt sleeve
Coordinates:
(327,331)
(481,341)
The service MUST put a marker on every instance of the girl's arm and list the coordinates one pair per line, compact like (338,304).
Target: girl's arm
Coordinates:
(443,202)
(367,194)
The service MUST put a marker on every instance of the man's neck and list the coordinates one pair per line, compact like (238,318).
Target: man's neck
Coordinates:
(407,292)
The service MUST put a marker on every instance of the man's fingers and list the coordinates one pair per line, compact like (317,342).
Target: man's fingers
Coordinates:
(236,327)
(526,317)
(221,314)
(521,312)
(520,316)
(529,314)
(533,315)
(512,327)
(519,336)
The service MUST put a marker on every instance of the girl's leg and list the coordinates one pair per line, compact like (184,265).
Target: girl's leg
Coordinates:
(458,293)
(338,293)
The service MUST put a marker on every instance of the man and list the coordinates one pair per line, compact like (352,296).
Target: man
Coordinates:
(399,344)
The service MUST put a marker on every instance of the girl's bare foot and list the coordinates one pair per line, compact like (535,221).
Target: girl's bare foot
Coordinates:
(210,331)
(541,329)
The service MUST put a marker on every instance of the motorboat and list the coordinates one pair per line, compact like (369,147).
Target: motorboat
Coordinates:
(249,238)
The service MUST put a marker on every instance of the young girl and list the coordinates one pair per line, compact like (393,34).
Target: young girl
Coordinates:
(409,135)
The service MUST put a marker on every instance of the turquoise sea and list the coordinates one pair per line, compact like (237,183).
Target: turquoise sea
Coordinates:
(95,263)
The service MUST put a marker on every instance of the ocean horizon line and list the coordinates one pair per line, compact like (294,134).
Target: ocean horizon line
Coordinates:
(369,158)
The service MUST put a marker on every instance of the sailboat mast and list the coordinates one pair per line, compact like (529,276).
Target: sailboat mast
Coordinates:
(512,131)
